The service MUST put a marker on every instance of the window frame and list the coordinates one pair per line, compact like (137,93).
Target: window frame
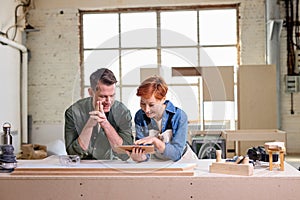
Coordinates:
(158,48)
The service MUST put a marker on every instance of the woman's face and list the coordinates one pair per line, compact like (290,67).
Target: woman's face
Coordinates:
(152,107)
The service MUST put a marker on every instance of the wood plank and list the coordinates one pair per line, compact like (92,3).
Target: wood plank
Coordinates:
(146,72)
(257,97)
(93,172)
(255,135)
(231,168)
(218,83)
(186,71)
(51,166)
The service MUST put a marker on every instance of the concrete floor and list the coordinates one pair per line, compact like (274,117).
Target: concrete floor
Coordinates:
(294,160)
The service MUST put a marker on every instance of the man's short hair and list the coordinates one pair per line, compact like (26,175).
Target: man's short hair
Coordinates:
(103,75)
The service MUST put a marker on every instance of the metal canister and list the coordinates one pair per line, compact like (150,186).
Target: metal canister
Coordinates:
(7,138)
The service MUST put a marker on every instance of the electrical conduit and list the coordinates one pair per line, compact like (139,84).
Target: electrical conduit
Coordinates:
(24,77)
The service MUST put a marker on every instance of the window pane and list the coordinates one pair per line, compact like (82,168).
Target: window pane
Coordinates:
(100,30)
(138,29)
(133,60)
(117,97)
(179,28)
(188,102)
(98,59)
(178,57)
(218,27)
(219,114)
(131,100)
(218,56)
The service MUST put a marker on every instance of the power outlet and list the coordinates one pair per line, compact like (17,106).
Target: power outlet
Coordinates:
(292,83)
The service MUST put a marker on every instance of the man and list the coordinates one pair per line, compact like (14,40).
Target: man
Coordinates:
(95,125)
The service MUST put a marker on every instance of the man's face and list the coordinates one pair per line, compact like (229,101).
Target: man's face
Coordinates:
(105,94)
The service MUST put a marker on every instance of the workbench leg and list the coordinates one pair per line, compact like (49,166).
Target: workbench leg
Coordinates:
(236,147)
(281,154)
(271,160)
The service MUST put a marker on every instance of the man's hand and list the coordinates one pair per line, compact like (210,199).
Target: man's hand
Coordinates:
(102,115)
(97,116)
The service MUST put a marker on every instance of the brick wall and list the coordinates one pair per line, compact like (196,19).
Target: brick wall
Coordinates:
(290,123)
(53,80)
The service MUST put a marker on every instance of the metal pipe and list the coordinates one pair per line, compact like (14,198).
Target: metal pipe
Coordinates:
(273,31)
(24,82)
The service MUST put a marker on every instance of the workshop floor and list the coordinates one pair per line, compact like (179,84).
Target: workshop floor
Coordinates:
(294,160)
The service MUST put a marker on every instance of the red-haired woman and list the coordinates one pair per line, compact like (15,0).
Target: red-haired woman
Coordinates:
(159,122)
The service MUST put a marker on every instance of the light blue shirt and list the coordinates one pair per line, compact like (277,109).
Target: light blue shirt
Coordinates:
(173,118)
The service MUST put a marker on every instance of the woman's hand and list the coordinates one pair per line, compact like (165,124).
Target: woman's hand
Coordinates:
(158,144)
(137,154)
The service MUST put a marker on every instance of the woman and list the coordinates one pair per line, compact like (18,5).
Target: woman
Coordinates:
(159,122)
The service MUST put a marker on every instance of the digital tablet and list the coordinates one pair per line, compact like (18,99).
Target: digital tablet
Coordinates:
(147,148)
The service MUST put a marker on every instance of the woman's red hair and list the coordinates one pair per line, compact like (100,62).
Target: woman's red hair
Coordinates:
(154,85)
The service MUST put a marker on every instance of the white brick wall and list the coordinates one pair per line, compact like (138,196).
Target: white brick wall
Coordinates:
(53,68)
(290,123)
(54,65)
(252,32)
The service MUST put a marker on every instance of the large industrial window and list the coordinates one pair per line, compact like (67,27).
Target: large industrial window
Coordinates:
(134,43)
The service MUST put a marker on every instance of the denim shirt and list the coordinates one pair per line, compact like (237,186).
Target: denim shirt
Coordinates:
(174,118)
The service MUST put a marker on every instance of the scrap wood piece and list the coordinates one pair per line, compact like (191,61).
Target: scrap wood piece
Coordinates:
(33,151)
(231,168)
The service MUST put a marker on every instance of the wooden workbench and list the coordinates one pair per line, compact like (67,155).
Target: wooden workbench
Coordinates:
(263,183)
(262,135)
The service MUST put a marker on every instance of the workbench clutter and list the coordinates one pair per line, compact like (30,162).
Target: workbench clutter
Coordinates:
(259,154)
(240,165)
(6,136)
(7,158)
(271,152)
(33,151)
(69,160)
(205,143)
